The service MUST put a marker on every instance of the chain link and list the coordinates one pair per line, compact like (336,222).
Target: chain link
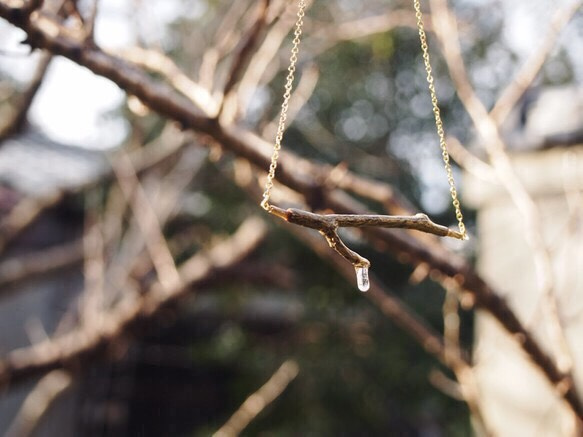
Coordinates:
(438,122)
(287,95)
(285,104)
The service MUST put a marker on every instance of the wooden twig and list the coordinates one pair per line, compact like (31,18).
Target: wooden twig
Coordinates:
(147,221)
(531,68)
(468,386)
(32,265)
(299,97)
(326,36)
(244,54)
(389,304)
(158,62)
(38,403)
(328,224)
(257,401)
(90,22)
(24,214)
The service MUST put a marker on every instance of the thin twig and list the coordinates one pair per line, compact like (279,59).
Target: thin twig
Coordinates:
(90,22)
(147,221)
(385,300)
(264,64)
(158,62)
(470,162)
(38,403)
(328,224)
(259,400)
(464,373)
(301,94)
(17,119)
(245,53)
(531,68)
(25,267)
(93,298)
(24,213)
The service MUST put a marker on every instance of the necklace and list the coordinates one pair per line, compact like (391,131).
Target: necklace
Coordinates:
(328,224)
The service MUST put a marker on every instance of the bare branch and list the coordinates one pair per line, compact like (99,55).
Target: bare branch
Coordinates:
(470,162)
(24,214)
(33,265)
(325,36)
(158,62)
(38,403)
(299,97)
(88,341)
(257,401)
(246,51)
(464,373)
(15,123)
(527,74)
(147,221)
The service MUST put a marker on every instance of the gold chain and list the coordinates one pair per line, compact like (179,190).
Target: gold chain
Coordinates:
(438,122)
(287,95)
(285,105)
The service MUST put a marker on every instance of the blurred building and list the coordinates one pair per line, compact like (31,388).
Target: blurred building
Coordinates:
(546,150)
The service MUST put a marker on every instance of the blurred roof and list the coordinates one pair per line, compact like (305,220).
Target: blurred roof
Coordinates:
(35,165)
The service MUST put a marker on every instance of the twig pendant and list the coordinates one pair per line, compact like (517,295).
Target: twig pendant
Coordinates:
(328,224)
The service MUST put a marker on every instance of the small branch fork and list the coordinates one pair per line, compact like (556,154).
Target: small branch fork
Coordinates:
(328,224)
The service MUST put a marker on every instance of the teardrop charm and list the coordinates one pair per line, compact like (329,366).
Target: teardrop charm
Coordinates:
(362,278)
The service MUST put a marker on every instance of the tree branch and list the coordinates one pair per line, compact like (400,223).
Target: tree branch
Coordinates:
(531,68)
(38,402)
(257,401)
(88,341)
(33,265)
(447,32)
(16,121)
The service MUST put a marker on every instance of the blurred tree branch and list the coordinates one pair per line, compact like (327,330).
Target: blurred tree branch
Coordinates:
(15,123)
(90,340)
(489,130)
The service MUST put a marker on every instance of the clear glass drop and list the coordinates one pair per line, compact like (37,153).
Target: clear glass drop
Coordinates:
(362,278)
